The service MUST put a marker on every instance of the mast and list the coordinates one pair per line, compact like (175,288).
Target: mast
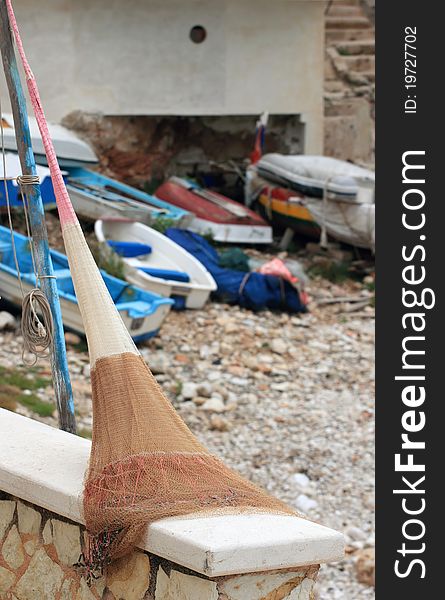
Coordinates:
(59,363)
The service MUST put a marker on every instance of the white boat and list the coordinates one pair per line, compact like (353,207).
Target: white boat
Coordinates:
(155,263)
(312,194)
(70,149)
(311,175)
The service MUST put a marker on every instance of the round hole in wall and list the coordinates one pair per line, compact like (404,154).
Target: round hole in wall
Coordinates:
(198,34)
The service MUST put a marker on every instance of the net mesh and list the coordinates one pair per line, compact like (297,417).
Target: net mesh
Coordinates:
(145,463)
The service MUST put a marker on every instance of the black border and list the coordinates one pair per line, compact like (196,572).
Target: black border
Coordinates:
(397,132)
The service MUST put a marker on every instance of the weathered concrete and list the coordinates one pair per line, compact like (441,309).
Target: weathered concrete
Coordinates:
(136,57)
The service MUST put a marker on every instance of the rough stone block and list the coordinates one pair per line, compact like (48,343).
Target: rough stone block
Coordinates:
(12,550)
(302,591)
(349,130)
(129,577)
(65,592)
(47,533)
(162,585)
(29,519)
(31,546)
(66,539)
(6,580)
(84,592)
(7,508)
(41,580)
(261,586)
(184,587)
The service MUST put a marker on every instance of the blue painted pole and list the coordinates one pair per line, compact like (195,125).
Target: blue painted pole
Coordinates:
(59,363)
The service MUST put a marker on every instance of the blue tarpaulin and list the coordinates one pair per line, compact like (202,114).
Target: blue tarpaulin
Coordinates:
(249,290)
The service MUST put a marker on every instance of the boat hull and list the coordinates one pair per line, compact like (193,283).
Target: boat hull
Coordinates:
(232,234)
(284,212)
(99,208)
(215,215)
(165,255)
(95,196)
(70,149)
(140,329)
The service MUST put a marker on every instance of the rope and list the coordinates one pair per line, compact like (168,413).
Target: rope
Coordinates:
(38,335)
(24,180)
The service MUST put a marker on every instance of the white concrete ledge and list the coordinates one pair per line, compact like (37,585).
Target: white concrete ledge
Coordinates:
(46,466)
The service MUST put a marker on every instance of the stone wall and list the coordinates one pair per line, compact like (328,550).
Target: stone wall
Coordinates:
(144,150)
(39,560)
(349,87)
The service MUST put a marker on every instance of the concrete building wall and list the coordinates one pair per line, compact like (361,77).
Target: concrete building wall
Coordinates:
(136,57)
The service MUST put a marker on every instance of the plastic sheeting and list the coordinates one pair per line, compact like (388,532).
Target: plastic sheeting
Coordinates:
(249,290)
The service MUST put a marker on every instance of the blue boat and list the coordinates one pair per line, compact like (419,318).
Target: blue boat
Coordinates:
(142,312)
(13,169)
(95,196)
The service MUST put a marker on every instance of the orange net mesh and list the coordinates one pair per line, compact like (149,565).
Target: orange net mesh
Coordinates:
(146,464)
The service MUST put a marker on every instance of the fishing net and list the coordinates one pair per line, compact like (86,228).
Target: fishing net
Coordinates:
(145,463)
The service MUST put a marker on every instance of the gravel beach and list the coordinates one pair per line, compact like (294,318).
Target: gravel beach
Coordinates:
(286,400)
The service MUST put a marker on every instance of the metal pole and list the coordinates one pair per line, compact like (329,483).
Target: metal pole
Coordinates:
(59,364)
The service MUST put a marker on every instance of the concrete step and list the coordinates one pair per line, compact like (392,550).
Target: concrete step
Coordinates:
(346,35)
(338,10)
(347,23)
(360,64)
(356,47)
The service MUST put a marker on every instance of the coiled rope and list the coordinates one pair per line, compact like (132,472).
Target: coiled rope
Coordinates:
(37,331)
(37,334)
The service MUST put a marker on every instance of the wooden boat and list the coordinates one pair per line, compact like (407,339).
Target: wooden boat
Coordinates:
(95,196)
(13,170)
(70,149)
(286,208)
(155,263)
(215,215)
(142,312)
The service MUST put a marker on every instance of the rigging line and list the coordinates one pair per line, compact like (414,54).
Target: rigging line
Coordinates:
(23,180)
(38,335)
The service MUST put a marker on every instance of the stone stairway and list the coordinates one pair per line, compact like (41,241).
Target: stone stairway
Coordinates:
(349,82)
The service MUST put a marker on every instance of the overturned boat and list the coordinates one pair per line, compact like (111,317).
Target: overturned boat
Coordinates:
(215,215)
(311,194)
(142,312)
(95,196)
(70,149)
